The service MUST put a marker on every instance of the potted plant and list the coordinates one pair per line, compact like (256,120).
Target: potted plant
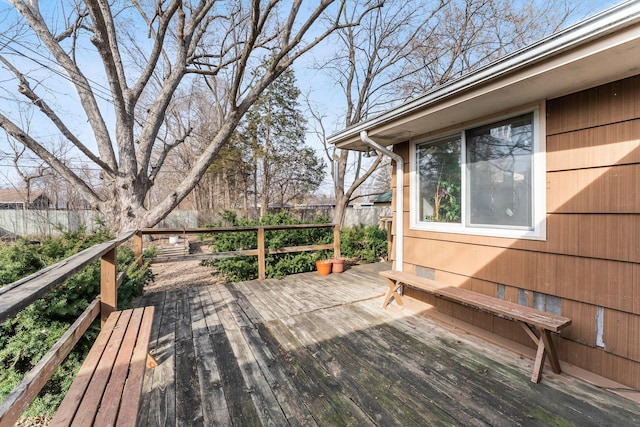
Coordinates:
(338,264)
(323,266)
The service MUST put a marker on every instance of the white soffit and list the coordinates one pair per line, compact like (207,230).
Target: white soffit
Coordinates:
(547,70)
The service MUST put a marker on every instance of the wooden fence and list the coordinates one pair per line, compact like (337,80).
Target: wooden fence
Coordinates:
(20,294)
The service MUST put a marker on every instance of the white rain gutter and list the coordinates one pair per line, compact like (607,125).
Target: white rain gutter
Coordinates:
(364,137)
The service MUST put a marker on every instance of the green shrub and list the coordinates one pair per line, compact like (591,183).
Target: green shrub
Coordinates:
(277,265)
(25,338)
(368,244)
(294,263)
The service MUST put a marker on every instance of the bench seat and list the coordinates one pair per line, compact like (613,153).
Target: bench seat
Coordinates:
(537,324)
(112,374)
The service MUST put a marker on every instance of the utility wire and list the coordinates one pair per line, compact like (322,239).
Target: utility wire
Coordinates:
(99,90)
(9,41)
(78,168)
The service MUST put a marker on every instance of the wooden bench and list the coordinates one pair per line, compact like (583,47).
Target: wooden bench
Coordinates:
(537,324)
(108,387)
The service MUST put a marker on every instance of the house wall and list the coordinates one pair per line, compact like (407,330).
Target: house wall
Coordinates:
(589,264)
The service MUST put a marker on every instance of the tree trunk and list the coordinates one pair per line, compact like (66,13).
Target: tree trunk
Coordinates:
(227,193)
(264,203)
(264,199)
(340,210)
(210,189)
(125,209)
(343,197)
(342,200)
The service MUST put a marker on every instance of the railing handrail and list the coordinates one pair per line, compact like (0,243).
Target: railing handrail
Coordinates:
(232,229)
(260,251)
(20,294)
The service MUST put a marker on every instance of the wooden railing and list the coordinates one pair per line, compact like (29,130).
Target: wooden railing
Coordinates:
(20,294)
(260,251)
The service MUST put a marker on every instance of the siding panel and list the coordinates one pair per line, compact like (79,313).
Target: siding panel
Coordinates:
(614,144)
(616,332)
(583,322)
(607,236)
(591,256)
(599,190)
(633,340)
(600,282)
(615,102)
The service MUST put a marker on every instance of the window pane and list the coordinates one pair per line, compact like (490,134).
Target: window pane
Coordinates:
(439,174)
(499,159)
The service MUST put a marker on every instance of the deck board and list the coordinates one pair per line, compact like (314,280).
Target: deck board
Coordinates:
(214,408)
(189,411)
(161,409)
(319,351)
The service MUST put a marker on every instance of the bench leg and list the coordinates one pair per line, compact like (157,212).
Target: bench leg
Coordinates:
(551,351)
(392,292)
(545,347)
(538,366)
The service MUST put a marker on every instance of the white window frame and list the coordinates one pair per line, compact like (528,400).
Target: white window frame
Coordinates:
(536,232)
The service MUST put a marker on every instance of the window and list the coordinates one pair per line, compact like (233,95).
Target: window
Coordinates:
(499,163)
(439,169)
(482,180)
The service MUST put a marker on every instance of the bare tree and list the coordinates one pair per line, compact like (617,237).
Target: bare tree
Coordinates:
(472,33)
(408,48)
(146,51)
(371,61)
(28,167)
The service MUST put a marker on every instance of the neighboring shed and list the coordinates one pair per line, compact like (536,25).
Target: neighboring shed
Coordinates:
(383,199)
(21,199)
(520,181)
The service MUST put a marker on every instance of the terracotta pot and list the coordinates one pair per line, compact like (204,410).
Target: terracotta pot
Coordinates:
(338,265)
(324,267)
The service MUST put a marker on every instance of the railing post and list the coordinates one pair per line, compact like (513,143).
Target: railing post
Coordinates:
(336,241)
(262,274)
(137,247)
(108,289)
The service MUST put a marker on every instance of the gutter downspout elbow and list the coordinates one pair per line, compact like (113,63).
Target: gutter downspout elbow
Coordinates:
(399,208)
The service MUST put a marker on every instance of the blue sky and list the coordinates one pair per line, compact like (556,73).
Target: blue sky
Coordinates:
(320,88)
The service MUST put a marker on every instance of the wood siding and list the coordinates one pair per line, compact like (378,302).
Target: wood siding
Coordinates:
(590,260)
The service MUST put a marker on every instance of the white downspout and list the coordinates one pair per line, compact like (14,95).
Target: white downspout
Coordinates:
(364,137)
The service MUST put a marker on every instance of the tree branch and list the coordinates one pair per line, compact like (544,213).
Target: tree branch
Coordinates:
(170,84)
(25,89)
(164,18)
(83,88)
(59,166)
(164,153)
(352,188)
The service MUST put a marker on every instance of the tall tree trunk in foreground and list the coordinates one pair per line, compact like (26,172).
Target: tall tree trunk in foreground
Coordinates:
(116,117)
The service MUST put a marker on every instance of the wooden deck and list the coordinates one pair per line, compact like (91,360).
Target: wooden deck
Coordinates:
(311,350)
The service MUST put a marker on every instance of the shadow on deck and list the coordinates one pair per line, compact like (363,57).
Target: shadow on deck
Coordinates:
(311,350)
